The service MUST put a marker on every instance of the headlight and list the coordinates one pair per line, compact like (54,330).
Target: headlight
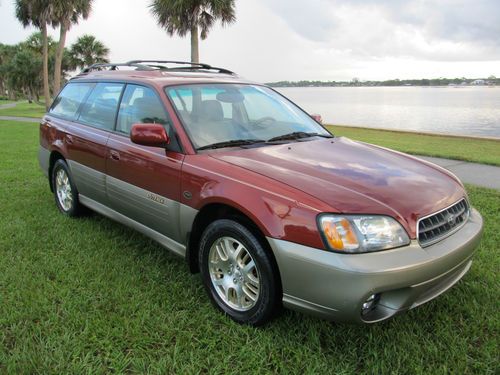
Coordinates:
(360,233)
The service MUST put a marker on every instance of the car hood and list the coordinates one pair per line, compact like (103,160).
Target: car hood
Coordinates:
(354,177)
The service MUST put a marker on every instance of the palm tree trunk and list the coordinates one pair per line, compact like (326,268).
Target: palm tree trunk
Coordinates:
(30,95)
(194,44)
(46,91)
(59,57)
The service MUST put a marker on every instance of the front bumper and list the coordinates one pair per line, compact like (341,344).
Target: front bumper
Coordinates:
(335,286)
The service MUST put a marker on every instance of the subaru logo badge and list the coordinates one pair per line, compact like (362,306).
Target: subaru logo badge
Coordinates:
(451,220)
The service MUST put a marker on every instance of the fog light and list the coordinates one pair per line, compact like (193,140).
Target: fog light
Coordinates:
(370,304)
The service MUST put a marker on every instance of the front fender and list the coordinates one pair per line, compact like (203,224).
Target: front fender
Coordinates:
(278,210)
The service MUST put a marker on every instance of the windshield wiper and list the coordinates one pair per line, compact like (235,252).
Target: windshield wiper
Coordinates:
(297,135)
(231,143)
(245,142)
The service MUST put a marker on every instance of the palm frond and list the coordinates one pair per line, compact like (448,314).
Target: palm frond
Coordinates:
(178,16)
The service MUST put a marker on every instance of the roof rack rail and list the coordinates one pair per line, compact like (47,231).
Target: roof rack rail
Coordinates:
(113,66)
(153,65)
(190,65)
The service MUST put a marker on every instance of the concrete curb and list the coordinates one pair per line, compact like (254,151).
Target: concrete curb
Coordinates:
(483,175)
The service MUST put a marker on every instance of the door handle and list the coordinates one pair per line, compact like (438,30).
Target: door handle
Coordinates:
(115,155)
(69,139)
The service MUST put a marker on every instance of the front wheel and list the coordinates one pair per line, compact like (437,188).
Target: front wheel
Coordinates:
(238,273)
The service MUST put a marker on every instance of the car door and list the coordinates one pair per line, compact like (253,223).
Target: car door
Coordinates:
(143,183)
(80,112)
(88,142)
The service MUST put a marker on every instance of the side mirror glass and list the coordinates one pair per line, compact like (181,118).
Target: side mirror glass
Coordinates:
(153,135)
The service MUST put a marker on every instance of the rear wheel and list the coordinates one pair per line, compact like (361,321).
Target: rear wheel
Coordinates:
(238,273)
(65,192)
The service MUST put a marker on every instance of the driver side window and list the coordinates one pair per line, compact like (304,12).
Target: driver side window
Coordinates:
(140,105)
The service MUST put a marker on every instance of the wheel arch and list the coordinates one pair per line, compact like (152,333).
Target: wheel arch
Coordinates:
(214,211)
(54,156)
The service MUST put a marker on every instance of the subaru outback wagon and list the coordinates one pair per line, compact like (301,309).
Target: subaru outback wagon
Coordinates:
(255,194)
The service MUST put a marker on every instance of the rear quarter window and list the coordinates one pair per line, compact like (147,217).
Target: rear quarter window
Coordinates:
(100,107)
(69,100)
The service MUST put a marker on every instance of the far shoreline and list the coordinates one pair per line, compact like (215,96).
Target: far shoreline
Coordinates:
(384,86)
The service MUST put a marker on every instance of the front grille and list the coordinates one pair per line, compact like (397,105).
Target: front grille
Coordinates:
(443,223)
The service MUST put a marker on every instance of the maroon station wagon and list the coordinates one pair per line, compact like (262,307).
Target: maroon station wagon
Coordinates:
(255,194)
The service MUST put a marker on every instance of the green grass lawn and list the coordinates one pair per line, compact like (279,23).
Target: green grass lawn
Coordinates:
(461,148)
(91,296)
(24,109)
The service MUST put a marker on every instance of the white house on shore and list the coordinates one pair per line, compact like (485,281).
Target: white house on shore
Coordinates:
(478,82)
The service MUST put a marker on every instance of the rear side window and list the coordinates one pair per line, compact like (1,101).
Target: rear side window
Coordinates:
(100,108)
(140,105)
(68,101)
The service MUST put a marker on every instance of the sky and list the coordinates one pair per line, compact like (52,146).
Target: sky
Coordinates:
(275,40)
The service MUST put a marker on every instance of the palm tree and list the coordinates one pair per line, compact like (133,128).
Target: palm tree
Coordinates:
(24,72)
(87,50)
(7,53)
(65,14)
(34,44)
(38,13)
(193,16)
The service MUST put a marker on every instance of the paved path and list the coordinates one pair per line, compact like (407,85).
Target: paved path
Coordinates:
(16,118)
(470,173)
(10,105)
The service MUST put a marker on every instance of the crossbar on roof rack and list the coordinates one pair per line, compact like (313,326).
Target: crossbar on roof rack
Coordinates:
(191,65)
(152,65)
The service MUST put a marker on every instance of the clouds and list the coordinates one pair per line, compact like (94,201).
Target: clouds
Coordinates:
(444,30)
(309,39)
(453,20)
(314,19)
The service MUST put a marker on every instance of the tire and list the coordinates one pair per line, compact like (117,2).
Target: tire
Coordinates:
(65,192)
(238,274)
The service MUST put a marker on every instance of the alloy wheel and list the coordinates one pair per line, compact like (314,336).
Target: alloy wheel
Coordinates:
(234,273)
(63,190)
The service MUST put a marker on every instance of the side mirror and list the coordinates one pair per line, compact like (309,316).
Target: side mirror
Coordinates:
(317,118)
(149,135)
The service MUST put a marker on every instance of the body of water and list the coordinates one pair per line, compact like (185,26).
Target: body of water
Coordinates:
(450,110)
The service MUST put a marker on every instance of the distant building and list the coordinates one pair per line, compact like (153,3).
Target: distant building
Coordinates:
(478,82)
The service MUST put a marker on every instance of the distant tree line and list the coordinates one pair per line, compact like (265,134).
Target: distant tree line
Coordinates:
(491,80)
(21,65)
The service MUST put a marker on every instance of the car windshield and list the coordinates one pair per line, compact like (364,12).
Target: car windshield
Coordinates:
(214,114)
